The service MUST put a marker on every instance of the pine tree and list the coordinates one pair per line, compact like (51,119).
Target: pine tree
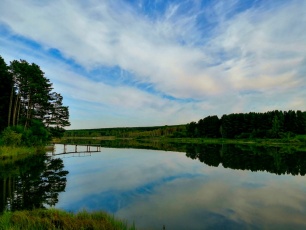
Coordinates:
(6,89)
(27,100)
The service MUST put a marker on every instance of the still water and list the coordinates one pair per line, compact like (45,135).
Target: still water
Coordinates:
(206,187)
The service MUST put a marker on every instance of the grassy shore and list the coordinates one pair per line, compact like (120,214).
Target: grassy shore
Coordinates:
(297,140)
(16,153)
(58,219)
(301,139)
(19,152)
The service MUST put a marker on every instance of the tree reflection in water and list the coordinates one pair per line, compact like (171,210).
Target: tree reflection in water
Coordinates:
(279,160)
(34,182)
(247,157)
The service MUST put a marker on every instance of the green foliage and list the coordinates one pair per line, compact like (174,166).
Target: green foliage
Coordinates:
(272,124)
(300,138)
(26,97)
(209,127)
(36,135)
(192,129)
(276,129)
(56,132)
(11,138)
(131,132)
(12,154)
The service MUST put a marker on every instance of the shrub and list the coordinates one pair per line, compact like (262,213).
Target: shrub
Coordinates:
(10,137)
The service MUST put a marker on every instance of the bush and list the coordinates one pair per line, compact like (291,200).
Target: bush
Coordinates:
(301,137)
(10,137)
(36,135)
(58,132)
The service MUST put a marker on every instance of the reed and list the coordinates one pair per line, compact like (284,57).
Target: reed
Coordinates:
(15,153)
(58,219)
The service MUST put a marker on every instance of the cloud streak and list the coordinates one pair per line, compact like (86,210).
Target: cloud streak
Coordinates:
(182,60)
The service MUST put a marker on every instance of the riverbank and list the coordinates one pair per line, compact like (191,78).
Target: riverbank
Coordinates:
(58,219)
(297,140)
(19,152)
(16,153)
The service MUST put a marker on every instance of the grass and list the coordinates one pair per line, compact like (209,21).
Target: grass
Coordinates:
(298,140)
(16,153)
(301,138)
(57,219)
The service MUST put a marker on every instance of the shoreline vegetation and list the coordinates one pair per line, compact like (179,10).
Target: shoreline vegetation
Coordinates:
(59,219)
(272,127)
(297,140)
(14,153)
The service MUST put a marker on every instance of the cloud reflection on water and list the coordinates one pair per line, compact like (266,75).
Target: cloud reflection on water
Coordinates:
(154,188)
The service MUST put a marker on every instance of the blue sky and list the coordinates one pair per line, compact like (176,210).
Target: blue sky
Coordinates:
(155,62)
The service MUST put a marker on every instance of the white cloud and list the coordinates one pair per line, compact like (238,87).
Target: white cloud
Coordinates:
(265,47)
(258,50)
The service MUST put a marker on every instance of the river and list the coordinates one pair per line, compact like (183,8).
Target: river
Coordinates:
(206,187)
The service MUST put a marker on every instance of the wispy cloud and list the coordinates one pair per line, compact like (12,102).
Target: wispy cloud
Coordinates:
(178,60)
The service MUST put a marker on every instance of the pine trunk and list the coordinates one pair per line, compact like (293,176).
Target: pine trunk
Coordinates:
(15,110)
(18,113)
(28,113)
(10,107)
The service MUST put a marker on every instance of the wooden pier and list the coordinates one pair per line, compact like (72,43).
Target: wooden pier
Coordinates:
(78,149)
(88,148)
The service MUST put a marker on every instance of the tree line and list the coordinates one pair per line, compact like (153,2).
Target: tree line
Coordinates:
(31,112)
(272,124)
(130,132)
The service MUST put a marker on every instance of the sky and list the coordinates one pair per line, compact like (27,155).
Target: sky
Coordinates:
(162,62)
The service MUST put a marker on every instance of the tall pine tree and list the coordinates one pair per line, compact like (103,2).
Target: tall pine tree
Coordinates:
(6,89)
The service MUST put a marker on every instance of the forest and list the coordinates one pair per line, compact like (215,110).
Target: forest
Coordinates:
(130,132)
(31,112)
(271,124)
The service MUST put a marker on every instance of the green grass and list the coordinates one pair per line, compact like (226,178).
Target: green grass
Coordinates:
(298,140)
(57,219)
(14,153)
(17,151)
(301,138)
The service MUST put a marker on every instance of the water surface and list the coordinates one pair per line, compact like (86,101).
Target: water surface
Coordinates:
(165,188)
